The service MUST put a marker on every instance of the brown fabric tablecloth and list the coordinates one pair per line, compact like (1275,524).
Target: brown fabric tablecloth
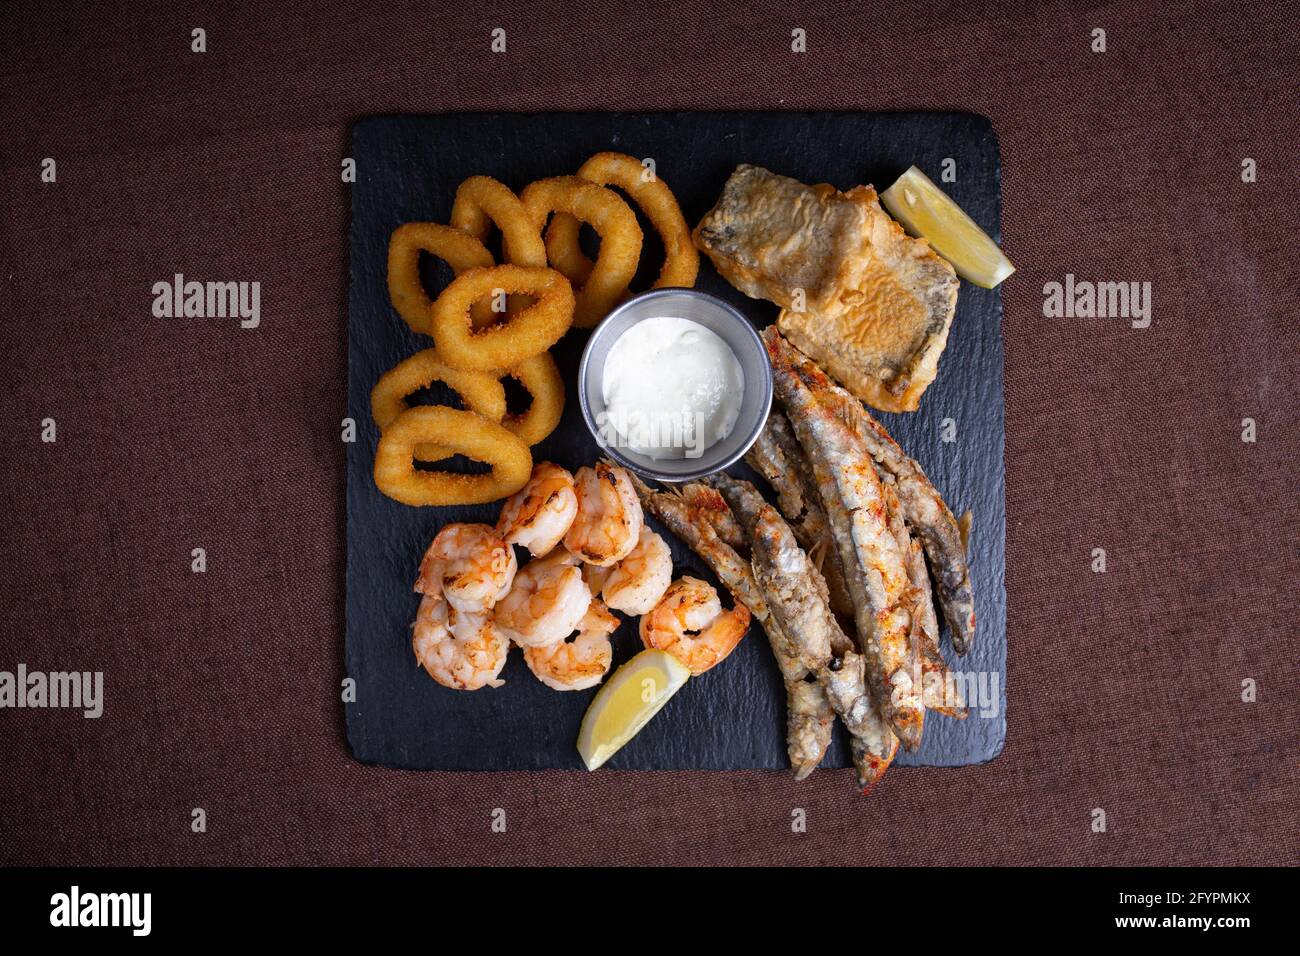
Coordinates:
(222,688)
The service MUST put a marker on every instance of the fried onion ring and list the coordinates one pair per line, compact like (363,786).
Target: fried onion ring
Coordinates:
(541,377)
(482,201)
(482,392)
(458,249)
(681,260)
(620,238)
(468,434)
(508,343)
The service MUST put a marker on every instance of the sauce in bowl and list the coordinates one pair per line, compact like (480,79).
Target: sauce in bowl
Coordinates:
(672,388)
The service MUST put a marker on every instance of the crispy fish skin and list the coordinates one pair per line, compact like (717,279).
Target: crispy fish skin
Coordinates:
(809,724)
(771,237)
(708,504)
(797,598)
(876,572)
(776,455)
(926,512)
(809,721)
(937,682)
(883,337)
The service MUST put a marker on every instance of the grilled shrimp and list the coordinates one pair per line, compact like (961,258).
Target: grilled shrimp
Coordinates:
(596,577)
(541,512)
(636,583)
(689,624)
(609,517)
(581,662)
(548,599)
(460,650)
(470,565)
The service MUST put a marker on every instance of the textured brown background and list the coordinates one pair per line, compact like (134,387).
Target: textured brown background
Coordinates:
(222,688)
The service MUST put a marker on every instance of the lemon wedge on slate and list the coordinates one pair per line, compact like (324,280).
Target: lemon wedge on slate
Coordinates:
(925,210)
(635,693)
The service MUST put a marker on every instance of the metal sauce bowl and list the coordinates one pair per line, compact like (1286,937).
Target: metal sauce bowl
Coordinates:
(727,323)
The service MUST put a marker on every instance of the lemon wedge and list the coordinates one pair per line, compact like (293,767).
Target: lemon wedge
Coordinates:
(626,702)
(925,210)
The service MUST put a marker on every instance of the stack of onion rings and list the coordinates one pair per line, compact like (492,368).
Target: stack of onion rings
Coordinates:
(465,433)
(481,393)
(613,220)
(681,260)
(474,351)
(482,201)
(541,377)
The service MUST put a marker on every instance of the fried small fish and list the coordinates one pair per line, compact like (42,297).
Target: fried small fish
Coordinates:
(809,720)
(875,569)
(797,598)
(928,516)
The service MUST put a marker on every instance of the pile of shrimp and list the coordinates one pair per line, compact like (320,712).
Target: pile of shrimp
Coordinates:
(591,554)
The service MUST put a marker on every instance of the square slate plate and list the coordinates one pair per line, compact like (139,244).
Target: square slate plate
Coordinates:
(733,717)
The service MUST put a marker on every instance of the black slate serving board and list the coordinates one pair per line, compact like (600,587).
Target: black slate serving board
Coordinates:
(733,717)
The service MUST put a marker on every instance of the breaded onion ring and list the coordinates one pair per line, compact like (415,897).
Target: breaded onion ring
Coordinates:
(467,434)
(541,377)
(681,260)
(482,201)
(509,343)
(482,393)
(458,249)
(620,238)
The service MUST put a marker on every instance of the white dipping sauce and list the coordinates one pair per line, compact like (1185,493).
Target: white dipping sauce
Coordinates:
(671,387)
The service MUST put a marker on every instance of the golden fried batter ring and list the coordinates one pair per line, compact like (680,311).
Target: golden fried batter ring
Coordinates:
(458,249)
(681,260)
(541,377)
(482,392)
(620,238)
(509,343)
(467,434)
(482,201)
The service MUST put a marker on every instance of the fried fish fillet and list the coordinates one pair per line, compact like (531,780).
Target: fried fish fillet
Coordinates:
(871,304)
(775,238)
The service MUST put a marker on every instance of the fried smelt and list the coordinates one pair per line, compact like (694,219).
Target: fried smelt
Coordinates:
(808,721)
(776,455)
(797,599)
(938,687)
(929,517)
(875,569)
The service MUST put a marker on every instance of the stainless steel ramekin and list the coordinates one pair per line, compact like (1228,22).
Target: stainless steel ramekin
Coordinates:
(729,325)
